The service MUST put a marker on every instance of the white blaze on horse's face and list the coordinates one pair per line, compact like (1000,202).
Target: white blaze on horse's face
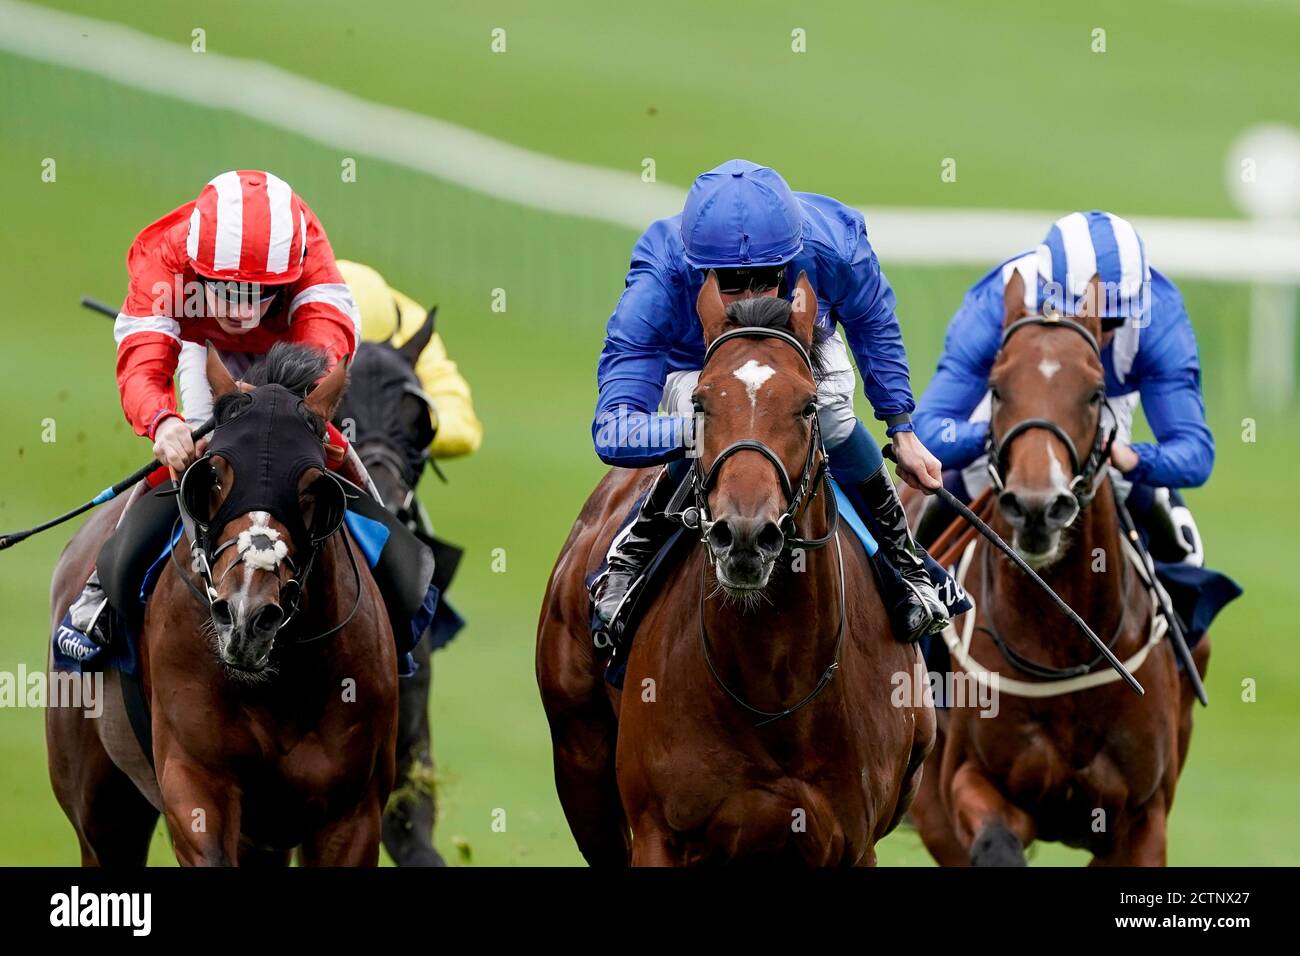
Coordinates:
(1057,473)
(753,376)
(1049,367)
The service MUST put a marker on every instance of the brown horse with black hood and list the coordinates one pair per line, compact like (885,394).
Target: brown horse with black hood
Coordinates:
(266,660)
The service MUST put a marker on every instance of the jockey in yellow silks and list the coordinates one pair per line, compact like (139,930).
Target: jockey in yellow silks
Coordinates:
(388,315)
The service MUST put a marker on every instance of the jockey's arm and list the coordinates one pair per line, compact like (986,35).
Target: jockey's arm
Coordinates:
(864,305)
(148,342)
(959,384)
(633,365)
(1175,409)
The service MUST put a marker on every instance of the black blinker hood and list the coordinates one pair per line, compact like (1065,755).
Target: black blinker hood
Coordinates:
(268,444)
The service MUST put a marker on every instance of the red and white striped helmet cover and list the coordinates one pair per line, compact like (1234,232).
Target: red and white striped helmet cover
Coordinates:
(248,226)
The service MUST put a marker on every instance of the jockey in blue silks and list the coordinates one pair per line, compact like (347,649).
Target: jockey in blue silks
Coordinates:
(742,221)
(1148,353)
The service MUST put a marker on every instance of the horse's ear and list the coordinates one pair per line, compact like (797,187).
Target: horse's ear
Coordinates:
(219,378)
(1013,299)
(412,347)
(713,314)
(325,397)
(803,311)
(1090,307)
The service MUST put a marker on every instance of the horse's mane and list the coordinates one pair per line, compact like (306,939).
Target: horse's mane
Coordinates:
(774,312)
(293,366)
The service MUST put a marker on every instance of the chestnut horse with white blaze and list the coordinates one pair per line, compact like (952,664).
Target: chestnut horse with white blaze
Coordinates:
(757,722)
(1071,754)
(272,697)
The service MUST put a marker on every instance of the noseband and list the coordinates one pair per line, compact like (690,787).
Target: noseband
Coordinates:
(1086,473)
(815,470)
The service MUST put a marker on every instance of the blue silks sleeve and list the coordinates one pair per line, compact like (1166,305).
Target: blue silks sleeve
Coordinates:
(626,430)
(1170,386)
(865,308)
(960,381)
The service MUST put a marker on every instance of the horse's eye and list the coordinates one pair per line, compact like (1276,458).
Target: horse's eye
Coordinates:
(810,410)
(1096,397)
(994,393)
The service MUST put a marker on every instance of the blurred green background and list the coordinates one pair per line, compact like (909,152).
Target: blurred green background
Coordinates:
(885,91)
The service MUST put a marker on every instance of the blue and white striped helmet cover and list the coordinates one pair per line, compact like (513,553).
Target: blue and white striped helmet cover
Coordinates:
(1084,244)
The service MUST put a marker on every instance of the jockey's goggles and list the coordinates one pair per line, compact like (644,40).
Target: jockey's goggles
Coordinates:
(239,300)
(756,279)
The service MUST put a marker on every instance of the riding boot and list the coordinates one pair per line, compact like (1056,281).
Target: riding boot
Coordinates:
(88,626)
(90,613)
(922,612)
(633,549)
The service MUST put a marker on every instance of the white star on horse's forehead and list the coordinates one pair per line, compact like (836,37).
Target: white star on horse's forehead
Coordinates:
(753,375)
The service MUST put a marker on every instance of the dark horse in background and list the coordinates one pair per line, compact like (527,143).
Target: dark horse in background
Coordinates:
(391,424)
(756,723)
(257,747)
(1095,766)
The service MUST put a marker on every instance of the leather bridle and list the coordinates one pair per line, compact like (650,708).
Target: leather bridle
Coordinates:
(815,475)
(816,470)
(205,553)
(1087,472)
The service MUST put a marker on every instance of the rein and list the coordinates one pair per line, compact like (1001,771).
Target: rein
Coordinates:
(814,477)
(1031,667)
(380,454)
(1086,473)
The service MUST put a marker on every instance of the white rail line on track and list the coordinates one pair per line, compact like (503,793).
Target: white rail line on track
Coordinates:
(1226,250)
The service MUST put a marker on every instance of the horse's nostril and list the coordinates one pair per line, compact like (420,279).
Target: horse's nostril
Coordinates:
(221,614)
(1062,509)
(268,618)
(720,536)
(770,538)
(1010,504)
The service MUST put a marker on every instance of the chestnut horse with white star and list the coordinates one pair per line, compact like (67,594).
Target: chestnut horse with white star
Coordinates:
(1069,754)
(757,722)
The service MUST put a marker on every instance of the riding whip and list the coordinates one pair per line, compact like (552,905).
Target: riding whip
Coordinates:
(995,539)
(108,494)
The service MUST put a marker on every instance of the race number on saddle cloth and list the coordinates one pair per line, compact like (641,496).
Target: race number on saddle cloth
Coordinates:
(244,266)
(269,442)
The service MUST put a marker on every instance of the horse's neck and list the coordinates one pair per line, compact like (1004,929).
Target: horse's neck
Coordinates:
(1090,577)
(777,650)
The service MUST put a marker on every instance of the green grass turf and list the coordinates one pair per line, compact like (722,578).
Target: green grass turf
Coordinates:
(125,157)
(885,91)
